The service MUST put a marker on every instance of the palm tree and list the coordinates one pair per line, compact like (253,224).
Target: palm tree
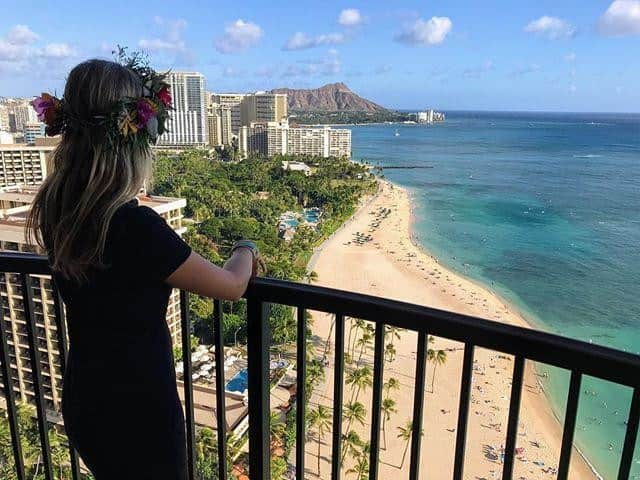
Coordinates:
(357,325)
(361,468)
(391,384)
(351,442)
(315,372)
(326,344)
(364,343)
(405,435)
(354,411)
(389,352)
(358,379)
(320,420)
(388,407)
(438,357)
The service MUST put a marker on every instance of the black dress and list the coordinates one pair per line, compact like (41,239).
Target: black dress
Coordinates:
(120,404)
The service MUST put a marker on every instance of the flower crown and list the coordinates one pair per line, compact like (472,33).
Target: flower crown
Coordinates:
(134,120)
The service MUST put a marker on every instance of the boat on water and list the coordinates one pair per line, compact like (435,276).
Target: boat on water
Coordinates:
(397,134)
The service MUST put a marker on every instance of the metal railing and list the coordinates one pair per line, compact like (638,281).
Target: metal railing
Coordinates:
(579,358)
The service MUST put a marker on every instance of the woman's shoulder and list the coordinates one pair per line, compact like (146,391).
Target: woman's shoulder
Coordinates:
(132,214)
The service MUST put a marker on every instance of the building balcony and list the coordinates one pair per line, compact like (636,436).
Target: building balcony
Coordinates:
(522,345)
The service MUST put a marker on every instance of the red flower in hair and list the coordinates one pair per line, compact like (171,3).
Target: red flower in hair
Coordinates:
(165,96)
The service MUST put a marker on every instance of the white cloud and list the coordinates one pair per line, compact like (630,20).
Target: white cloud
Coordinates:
(238,36)
(301,41)
(21,35)
(570,57)
(620,19)
(18,54)
(57,50)
(553,28)
(350,17)
(429,32)
(170,39)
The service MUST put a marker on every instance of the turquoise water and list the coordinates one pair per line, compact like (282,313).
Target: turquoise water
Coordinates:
(239,382)
(544,209)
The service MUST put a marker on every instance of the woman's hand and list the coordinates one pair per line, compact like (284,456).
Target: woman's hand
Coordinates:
(258,265)
(200,276)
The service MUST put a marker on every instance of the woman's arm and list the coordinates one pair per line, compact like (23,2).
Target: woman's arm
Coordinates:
(200,276)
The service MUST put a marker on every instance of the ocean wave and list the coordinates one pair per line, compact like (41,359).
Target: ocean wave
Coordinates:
(587,155)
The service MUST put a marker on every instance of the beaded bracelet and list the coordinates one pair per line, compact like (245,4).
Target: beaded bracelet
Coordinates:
(253,248)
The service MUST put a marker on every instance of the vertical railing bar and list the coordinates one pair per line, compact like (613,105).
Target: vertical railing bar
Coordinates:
(338,378)
(5,365)
(301,393)
(463,412)
(569,424)
(187,382)
(514,415)
(221,414)
(418,405)
(63,349)
(630,436)
(259,417)
(378,372)
(34,355)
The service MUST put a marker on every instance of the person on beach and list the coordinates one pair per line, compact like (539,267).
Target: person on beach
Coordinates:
(115,264)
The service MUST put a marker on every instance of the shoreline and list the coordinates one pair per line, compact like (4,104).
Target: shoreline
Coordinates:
(394,265)
(528,321)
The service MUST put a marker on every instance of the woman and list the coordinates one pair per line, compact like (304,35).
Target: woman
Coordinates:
(115,263)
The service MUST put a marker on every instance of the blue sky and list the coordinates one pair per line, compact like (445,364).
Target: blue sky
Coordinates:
(569,55)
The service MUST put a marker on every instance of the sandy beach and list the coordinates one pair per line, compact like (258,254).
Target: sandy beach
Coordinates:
(373,253)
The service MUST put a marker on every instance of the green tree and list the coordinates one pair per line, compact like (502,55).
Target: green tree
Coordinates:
(360,378)
(319,420)
(361,468)
(404,434)
(391,384)
(354,411)
(437,357)
(351,444)
(388,407)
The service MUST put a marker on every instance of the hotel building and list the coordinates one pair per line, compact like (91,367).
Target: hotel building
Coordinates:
(278,138)
(22,164)
(187,125)
(33,130)
(15,203)
(219,125)
(263,107)
(232,101)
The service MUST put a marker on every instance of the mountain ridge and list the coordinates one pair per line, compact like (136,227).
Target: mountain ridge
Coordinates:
(332,97)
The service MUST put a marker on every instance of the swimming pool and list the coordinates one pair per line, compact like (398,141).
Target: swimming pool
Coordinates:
(238,383)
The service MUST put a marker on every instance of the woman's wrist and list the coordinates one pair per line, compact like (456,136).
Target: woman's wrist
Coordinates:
(248,245)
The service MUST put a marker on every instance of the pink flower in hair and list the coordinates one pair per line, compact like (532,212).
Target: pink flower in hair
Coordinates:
(43,106)
(146,111)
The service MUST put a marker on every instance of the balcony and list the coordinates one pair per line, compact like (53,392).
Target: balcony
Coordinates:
(579,358)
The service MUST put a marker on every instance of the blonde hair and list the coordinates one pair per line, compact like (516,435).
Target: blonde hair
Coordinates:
(90,177)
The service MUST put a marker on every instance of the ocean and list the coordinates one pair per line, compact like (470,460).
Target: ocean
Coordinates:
(543,208)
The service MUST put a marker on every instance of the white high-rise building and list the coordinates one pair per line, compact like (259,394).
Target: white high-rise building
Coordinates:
(231,101)
(278,138)
(187,125)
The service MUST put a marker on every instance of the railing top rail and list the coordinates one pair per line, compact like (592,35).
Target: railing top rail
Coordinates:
(598,361)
